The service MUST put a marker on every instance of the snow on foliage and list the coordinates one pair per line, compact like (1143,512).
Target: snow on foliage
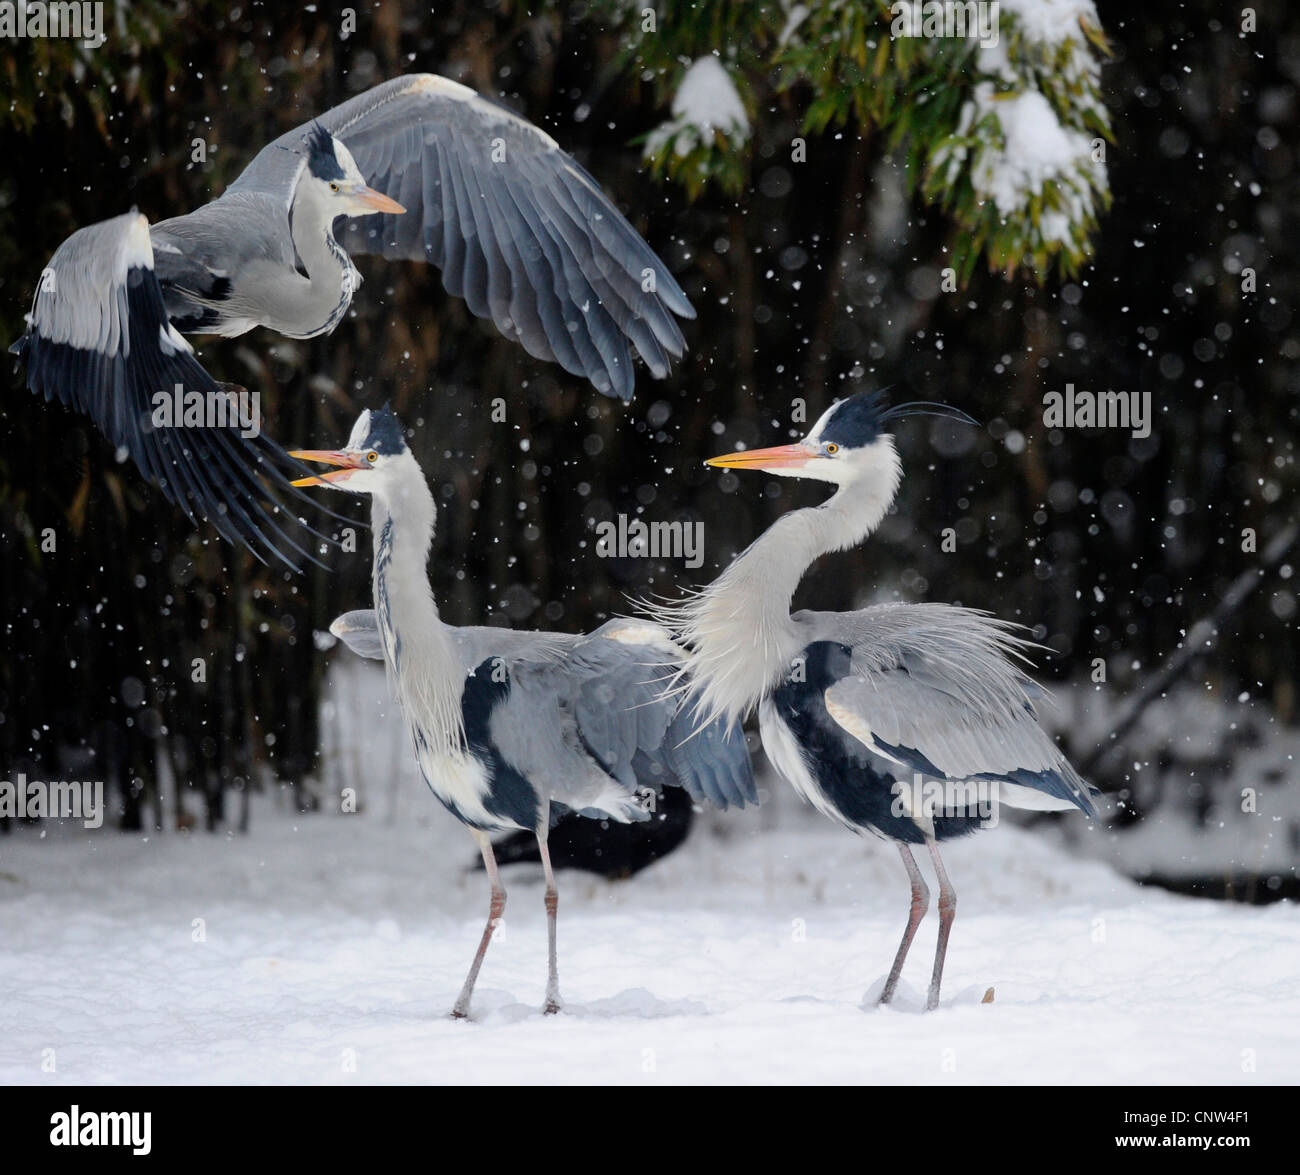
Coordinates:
(706,103)
(706,107)
(1030,141)
(1028,151)
(996,112)
(1051,22)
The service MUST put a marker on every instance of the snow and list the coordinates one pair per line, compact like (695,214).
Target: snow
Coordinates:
(1051,22)
(332,947)
(795,15)
(706,103)
(1219,773)
(1021,145)
(707,99)
(1036,150)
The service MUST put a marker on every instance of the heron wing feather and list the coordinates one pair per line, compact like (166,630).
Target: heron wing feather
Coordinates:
(99,340)
(630,719)
(518,228)
(600,698)
(935,688)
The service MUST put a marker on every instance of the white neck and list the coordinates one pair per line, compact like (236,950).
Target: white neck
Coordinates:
(423,661)
(316,306)
(739,628)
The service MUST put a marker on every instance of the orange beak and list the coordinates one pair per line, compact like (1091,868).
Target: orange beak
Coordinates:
(377,200)
(349,462)
(777,457)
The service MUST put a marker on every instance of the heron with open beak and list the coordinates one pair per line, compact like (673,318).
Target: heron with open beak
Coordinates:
(511,727)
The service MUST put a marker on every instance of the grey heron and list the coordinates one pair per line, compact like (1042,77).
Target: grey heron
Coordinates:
(517,227)
(508,726)
(848,702)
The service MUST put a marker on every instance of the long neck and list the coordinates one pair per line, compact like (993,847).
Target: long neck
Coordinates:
(315,306)
(739,628)
(422,657)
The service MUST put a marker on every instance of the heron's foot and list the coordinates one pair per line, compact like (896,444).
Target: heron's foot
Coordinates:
(458,1013)
(553,1005)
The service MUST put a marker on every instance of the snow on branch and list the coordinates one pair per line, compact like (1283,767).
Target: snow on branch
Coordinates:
(994,109)
(1024,171)
(707,115)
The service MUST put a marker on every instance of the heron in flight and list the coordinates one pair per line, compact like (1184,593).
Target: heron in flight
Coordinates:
(420,168)
(910,721)
(510,727)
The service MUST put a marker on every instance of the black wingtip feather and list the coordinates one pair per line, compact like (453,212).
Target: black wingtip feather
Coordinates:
(208,472)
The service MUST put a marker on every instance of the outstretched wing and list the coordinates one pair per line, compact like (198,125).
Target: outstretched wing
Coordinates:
(518,228)
(933,688)
(99,340)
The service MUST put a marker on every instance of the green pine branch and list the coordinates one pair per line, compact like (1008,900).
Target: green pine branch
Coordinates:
(1008,141)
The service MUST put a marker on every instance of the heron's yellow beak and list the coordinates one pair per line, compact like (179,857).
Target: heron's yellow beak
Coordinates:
(350,463)
(775,458)
(376,200)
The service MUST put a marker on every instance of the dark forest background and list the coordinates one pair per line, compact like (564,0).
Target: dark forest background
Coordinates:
(814,281)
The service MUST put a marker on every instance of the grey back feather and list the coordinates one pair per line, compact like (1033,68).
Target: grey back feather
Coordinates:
(359,630)
(941,681)
(593,698)
(227,235)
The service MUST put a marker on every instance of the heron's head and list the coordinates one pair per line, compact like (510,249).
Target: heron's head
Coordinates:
(374,460)
(850,443)
(334,180)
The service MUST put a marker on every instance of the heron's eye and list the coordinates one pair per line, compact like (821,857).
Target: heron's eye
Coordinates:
(333,186)
(372,456)
(831,448)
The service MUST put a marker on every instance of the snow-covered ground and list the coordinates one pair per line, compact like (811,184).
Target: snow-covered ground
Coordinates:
(329,948)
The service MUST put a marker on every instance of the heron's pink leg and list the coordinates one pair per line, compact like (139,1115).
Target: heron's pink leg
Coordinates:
(920,903)
(496,908)
(552,906)
(947,911)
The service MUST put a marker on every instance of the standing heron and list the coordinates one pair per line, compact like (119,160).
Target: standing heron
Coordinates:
(518,228)
(847,701)
(510,726)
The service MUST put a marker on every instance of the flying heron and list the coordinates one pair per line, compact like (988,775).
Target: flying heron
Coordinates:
(518,228)
(509,726)
(848,702)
